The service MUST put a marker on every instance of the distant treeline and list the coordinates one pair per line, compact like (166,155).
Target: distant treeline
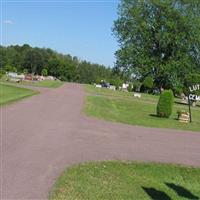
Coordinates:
(65,67)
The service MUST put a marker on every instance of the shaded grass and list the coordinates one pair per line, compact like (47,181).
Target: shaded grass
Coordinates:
(123,107)
(127,181)
(9,93)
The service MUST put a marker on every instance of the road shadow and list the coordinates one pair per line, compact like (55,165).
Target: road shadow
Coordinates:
(180,103)
(154,115)
(185,104)
(156,194)
(181,191)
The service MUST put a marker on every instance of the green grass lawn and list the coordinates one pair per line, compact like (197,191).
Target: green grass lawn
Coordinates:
(48,83)
(127,181)
(45,83)
(10,93)
(122,107)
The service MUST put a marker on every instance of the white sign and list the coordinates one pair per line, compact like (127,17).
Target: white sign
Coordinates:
(194,97)
(194,88)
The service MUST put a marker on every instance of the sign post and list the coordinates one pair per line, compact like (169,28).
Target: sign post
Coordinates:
(189,104)
(193,97)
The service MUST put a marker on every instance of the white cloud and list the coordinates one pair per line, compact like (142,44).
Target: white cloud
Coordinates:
(8,21)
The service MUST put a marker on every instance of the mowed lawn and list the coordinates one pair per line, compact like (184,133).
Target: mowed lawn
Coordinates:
(45,83)
(127,181)
(122,107)
(9,93)
(48,83)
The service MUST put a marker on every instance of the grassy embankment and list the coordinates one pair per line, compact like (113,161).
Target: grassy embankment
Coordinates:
(127,181)
(10,93)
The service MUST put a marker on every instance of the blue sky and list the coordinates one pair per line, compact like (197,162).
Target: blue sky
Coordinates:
(80,28)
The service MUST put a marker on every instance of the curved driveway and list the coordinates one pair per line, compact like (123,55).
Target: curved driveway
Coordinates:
(44,134)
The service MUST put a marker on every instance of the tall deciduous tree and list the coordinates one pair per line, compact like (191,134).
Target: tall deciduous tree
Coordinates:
(159,38)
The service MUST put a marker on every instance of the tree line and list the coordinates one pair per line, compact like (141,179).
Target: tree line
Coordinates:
(26,59)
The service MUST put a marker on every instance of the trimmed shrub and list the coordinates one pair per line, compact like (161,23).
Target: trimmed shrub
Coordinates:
(148,83)
(165,104)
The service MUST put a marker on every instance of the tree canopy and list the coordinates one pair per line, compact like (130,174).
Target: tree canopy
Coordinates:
(158,38)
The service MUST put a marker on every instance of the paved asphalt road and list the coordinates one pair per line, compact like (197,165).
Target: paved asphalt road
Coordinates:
(44,134)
